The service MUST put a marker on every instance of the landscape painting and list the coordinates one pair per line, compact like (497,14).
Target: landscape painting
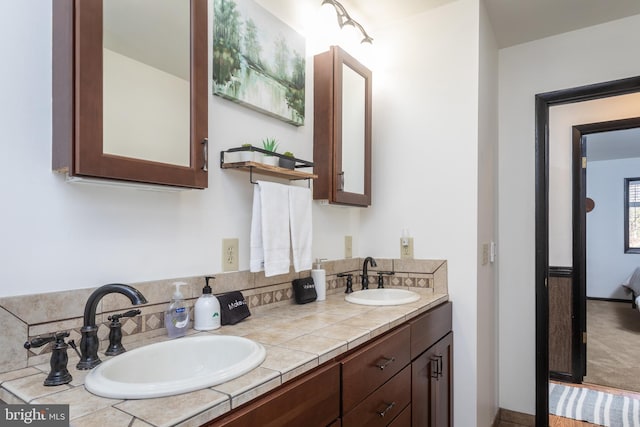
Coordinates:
(258,61)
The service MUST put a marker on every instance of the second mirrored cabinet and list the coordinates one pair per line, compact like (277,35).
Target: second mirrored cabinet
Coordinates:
(342,129)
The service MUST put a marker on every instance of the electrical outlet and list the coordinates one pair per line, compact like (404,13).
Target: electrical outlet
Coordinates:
(229,254)
(406,248)
(348,247)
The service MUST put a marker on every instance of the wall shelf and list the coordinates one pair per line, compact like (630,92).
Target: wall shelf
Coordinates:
(253,166)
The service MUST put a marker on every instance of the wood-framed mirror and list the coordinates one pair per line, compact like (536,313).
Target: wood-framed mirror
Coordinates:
(130,103)
(342,129)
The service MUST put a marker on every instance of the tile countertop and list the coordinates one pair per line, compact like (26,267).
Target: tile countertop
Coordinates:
(297,338)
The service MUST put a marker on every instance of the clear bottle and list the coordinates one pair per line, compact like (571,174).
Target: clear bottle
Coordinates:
(176,316)
(206,313)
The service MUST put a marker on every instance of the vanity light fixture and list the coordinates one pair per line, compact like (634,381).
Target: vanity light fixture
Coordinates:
(345,19)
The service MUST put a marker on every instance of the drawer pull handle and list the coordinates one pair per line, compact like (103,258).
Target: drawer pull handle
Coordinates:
(435,370)
(387,409)
(386,362)
(439,365)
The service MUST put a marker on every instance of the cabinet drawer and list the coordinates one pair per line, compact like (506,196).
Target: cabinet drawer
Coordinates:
(383,405)
(313,400)
(370,367)
(429,328)
(404,419)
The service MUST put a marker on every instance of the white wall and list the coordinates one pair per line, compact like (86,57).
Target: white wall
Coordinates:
(607,264)
(595,54)
(425,163)
(58,236)
(561,120)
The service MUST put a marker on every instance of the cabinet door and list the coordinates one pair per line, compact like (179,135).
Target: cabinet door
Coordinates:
(432,386)
(125,105)
(342,129)
(423,369)
(312,401)
(443,352)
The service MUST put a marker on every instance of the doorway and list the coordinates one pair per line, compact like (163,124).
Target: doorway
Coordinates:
(605,156)
(543,103)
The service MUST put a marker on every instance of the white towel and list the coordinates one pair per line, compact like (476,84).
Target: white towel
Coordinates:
(256,250)
(301,227)
(270,239)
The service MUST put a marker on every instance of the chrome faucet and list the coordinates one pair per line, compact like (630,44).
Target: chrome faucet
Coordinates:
(89,342)
(365,273)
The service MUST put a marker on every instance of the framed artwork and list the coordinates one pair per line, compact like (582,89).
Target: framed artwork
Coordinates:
(258,60)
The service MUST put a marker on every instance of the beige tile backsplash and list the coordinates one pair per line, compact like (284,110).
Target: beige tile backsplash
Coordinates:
(27,316)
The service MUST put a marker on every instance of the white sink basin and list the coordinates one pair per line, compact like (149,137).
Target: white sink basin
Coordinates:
(173,367)
(386,296)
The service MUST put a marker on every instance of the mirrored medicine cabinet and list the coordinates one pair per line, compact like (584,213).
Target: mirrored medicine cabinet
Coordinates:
(130,90)
(342,129)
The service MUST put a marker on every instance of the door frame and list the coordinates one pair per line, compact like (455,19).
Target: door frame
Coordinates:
(543,102)
(579,363)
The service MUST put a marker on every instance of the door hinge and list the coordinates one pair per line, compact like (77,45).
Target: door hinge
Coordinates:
(584,163)
(584,337)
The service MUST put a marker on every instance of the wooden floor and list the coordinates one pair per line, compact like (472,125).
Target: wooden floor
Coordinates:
(555,421)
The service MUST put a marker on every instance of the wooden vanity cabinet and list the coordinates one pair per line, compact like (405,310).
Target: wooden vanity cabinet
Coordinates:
(432,369)
(313,400)
(403,378)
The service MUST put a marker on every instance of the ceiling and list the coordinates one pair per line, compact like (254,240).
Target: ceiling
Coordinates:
(513,21)
(620,144)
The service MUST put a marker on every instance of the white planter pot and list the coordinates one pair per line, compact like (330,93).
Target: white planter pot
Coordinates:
(270,160)
(246,156)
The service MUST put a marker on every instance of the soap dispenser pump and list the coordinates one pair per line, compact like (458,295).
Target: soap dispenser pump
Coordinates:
(207,309)
(320,279)
(176,316)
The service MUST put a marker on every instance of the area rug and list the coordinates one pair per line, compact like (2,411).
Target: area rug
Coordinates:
(593,406)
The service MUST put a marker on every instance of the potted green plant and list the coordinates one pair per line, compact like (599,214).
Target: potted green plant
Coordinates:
(248,155)
(271,145)
(288,161)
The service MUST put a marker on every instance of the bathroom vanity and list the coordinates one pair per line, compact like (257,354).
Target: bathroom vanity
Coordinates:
(401,378)
(327,363)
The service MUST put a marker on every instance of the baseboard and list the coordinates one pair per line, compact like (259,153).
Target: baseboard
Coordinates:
(609,299)
(508,417)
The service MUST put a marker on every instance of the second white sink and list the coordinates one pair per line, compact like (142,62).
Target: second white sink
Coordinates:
(173,367)
(383,296)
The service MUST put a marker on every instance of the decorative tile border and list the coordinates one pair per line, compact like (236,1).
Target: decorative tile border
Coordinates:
(26,320)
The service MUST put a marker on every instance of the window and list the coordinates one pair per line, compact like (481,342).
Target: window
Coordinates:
(632,215)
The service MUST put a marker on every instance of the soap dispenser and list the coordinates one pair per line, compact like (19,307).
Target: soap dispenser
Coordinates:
(206,314)
(176,316)
(320,279)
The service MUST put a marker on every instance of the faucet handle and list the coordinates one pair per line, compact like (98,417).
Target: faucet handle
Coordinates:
(40,341)
(59,373)
(349,277)
(115,333)
(381,275)
(130,313)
